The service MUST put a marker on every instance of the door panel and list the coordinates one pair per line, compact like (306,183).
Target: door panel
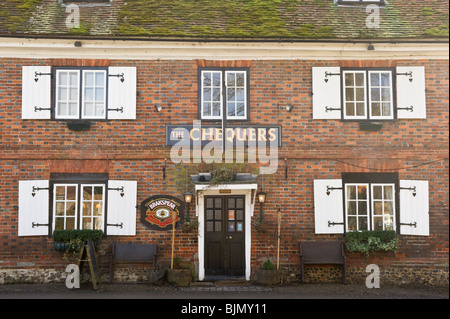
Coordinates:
(225,235)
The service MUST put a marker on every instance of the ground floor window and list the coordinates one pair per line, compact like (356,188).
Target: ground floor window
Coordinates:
(78,202)
(370,203)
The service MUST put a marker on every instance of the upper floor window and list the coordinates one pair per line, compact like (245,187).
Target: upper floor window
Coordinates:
(80,94)
(73,93)
(223,91)
(367,94)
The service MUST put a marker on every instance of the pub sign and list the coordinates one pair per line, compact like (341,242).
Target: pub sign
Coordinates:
(157,212)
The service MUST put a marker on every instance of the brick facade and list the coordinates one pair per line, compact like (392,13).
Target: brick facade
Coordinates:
(135,150)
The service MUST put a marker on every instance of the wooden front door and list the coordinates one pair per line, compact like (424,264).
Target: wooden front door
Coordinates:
(224,235)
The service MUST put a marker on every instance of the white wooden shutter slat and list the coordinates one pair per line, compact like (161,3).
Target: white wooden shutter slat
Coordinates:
(326,92)
(328,209)
(36,93)
(122,94)
(414,210)
(411,93)
(121,209)
(33,209)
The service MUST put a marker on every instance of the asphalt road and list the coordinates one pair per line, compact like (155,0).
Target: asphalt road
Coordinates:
(167,292)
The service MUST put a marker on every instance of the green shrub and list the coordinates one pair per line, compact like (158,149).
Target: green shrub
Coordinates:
(68,235)
(268,265)
(369,241)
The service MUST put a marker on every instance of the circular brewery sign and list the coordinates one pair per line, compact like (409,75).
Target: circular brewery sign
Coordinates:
(157,212)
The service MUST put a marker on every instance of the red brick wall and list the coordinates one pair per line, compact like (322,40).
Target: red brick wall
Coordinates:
(32,149)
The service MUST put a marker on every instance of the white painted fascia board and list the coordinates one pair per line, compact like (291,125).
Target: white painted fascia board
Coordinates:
(184,50)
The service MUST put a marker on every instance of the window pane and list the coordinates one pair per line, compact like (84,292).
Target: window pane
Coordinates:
(98,223)
(377,192)
(349,94)
(87,224)
(240,79)
(386,79)
(73,109)
(88,78)
(207,79)
(70,223)
(378,208)
(62,78)
(351,224)
(350,109)
(376,111)
(231,109)
(349,79)
(60,209)
(231,94)
(362,223)
(87,209)
(386,109)
(362,208)
(240,109)
(231,79)
(362,192)
(206,109)
(73,76)
(71,192)
(216,94)
(351,208)
(100,79)
(59,223)
(351,192)
(207,94)
(374,79)
(216,79)
(388,190)
(359,79)
(216,109)
(89,109)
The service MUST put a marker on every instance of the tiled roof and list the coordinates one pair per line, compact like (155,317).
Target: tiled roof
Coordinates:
(227,19)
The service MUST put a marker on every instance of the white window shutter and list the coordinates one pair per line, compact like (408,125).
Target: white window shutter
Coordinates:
(33,209)
(121,215)
(414,208)
(328,208)
(122,93)
(36,92)
(326,82)
(411,99)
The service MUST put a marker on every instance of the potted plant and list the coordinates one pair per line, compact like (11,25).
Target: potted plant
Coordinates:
(180,274)
(71,240)
(268,275)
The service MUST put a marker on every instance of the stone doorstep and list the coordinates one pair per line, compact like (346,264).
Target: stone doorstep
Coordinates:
(226,285)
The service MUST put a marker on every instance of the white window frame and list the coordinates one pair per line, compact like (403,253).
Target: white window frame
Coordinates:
(92,201)
(235,87)
(391,101)
(383,200)
(202,101)
(354,87)
(223,94)
(78,204)
(57,99)
(81,101)
(55,201)
(367,215)
(367,94)
(94,101)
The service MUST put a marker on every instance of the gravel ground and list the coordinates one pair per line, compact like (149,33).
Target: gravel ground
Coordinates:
(211,291)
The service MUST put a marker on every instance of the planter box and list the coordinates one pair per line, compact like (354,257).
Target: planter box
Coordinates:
(268,277)
(179,277)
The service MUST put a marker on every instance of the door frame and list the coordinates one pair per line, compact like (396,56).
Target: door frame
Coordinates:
(249,190)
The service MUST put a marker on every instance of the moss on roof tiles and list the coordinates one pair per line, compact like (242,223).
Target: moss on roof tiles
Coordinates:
(212,19)
(14,14)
